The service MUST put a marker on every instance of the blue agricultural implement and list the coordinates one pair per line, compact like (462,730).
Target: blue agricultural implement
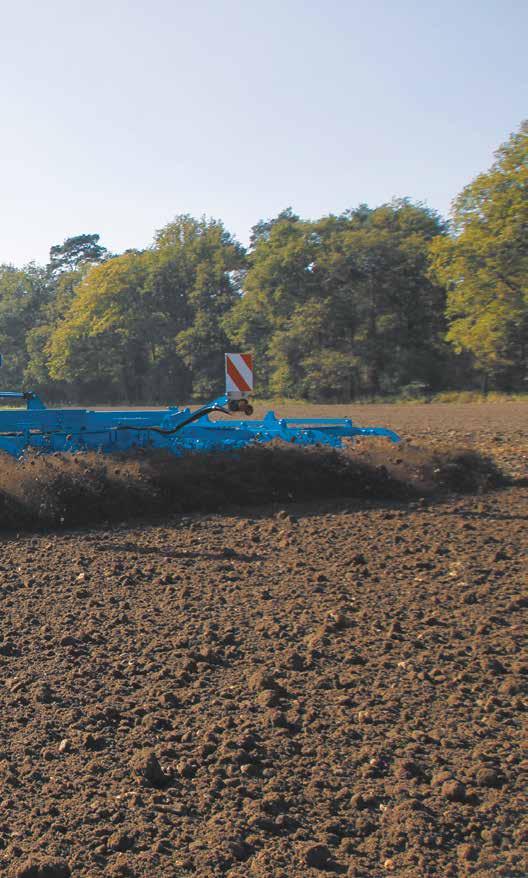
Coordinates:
(46,430)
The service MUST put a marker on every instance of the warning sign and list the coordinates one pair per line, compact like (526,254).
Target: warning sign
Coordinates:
(239,373)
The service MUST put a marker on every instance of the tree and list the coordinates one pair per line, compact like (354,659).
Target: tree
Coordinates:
(198,266)
(102,341)
(61,292)
(279,279)
(148,325)
(484,266)
(75,252)
(261,231)
(343,305)
(24,295)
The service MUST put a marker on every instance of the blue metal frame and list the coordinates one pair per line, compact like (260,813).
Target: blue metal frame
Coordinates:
(176,430)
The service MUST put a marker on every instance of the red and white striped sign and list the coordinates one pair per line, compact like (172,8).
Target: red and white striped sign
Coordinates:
(239,373)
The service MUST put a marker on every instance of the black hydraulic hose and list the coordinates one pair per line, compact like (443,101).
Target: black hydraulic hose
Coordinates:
(194,416)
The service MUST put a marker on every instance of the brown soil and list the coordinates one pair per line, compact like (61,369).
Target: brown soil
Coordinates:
(336,686)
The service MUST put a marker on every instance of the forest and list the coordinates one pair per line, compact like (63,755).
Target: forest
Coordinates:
(387,301)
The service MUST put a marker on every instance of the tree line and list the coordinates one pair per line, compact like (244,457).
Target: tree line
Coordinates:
(374,301)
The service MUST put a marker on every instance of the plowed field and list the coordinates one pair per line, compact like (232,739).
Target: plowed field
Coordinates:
(334,686)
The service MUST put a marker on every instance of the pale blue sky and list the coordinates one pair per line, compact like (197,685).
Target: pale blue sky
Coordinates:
(117,115)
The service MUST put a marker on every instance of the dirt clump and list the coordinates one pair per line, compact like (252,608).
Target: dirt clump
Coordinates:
(147,769)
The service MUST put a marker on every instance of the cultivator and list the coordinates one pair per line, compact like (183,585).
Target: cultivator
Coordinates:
(177,430)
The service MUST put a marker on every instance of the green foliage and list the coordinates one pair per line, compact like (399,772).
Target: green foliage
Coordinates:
(484,265)
(102,335)
(68,263)
(75,252)
(23,298)
(343,306)
(148,325)
(278,280)
(204,263)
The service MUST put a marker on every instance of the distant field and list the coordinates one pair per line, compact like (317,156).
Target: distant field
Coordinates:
(459,416)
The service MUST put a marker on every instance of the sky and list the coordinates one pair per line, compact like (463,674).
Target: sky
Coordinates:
(119,115)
